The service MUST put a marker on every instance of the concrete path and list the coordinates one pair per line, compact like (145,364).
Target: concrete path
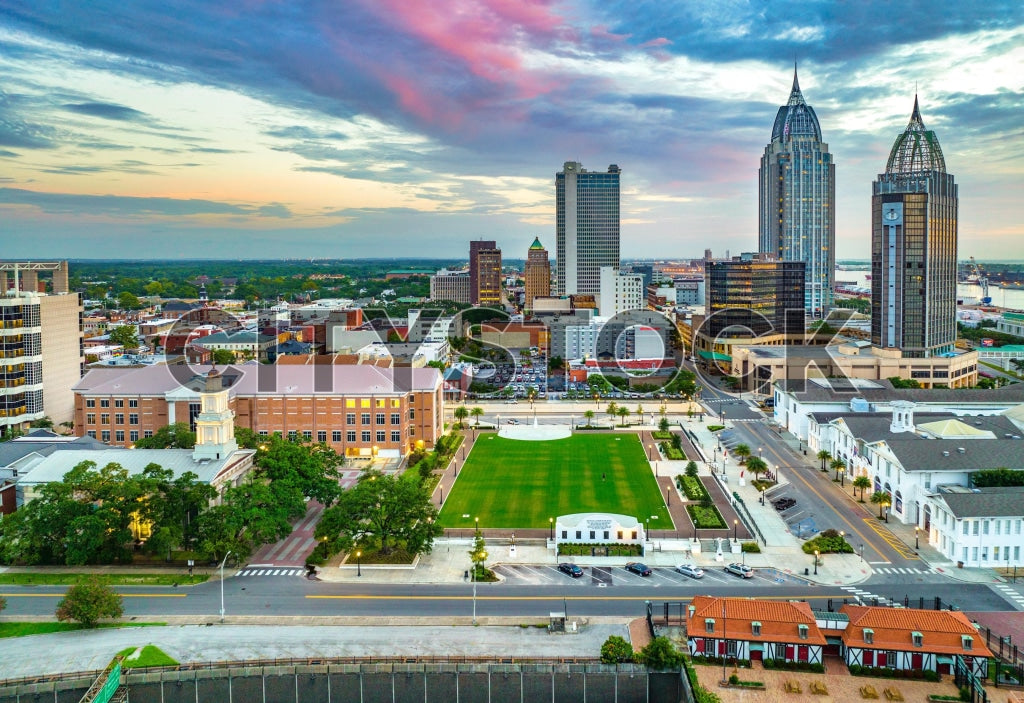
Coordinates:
(87,650)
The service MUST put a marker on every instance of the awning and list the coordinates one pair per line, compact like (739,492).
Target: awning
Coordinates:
(943,660)
(756,646)
(713,356)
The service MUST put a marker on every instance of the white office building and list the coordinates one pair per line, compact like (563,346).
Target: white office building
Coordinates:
(620,292)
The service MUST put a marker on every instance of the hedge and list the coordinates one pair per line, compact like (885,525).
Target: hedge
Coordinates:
(615,549)
(793,666)
(706,518)
(671,452)
(828,542)
(884,672)
(692,487)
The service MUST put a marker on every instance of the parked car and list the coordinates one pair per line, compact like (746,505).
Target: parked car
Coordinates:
(638,568)
(741,570)
(511,401)
(571,569)
(694,572)
(513,421)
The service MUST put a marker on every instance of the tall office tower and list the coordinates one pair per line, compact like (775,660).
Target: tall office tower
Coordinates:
(913,247)
(484,273)
(41,355)
(586,227)
(796,201)
(537,273)
(752,295)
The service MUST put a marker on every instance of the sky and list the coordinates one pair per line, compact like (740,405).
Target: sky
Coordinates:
(402,128)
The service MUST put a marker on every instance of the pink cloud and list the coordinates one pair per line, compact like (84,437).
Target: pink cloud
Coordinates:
(601,32)
(660,41)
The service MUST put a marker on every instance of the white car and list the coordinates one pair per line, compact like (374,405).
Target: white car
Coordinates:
(694,572)
(511,401)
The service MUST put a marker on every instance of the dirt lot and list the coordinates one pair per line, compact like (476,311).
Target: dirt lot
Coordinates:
(841,687)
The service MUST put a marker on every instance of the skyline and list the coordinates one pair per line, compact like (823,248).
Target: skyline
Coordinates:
(272,130)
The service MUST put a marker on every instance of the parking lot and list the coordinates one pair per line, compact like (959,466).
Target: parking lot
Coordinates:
(800,522)
(610,576)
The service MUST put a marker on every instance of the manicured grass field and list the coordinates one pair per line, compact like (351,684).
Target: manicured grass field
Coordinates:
(511,483)
(24,629)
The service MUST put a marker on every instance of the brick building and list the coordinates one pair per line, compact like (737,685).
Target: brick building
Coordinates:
(358,410)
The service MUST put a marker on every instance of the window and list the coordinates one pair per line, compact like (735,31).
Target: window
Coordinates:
(293,435)
(730,648)
(364,436)
(382,436)
(321,435)
(133,403)
(918,639)
(350,418)
(802,630)
(1016,553)
(90,418)
(380,419)
(105,436)
(974,554)
(984,527)
(966,528)
(618,535)
(396,418)
(133,436)
(396,436)
(378,403)
(264,433)
(336,436)
(350,402)
(995,553)
(412,416)
(147,433)
(118,418)
(593,534)
(709,625)
(755,629)
(133,418)
(350,435)
(364,419)
(967,641)
(998,525)
(119,403)
(984,553)
(91,433)
(1016,527)
(869,636)
(396,402)
(104,402)
(90,402)
(104,418)
(632,535)
(565,534)
(364,402)
(118,435)
(605,534)
(579,534)
(974,528)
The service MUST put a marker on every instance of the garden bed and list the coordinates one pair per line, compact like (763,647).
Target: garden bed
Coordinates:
(706,518)
(585,550)
(793,666)
(692,487)
(671,453)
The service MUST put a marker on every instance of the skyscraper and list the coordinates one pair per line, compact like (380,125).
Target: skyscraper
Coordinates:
(913,247)
(537,273)
(797,199)
(484,273)
(586,227)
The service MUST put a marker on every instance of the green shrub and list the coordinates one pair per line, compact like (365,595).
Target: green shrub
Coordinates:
(828,542)
(672,453)
(661,434)
(750,548)
(965,693)
(693,488)
(706,517)
(715,428)
(615,649)
(734,679)
(661,654)
(691,469)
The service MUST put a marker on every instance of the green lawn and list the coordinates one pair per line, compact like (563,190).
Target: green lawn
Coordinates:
(510,483)
(23,629)
(46,578)
(149,656)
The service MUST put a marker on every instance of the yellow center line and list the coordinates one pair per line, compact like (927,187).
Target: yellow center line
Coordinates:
(123,595)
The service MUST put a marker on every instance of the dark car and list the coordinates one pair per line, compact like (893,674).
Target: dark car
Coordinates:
(638,568)
(570,569)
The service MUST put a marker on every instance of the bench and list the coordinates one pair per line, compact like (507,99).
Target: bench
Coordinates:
(818,688)
(793,686)
(893,694)
(868,692)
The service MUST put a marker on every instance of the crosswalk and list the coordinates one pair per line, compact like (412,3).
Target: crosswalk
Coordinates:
(903,570)
(252,571)
(1011,594)
(869,598)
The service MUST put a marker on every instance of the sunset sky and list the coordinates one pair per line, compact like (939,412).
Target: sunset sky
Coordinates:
(396,128)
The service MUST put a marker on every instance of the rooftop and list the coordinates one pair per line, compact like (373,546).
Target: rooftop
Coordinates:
(796,118)
(983,502)
(917,149)
(179,461)
(942,630)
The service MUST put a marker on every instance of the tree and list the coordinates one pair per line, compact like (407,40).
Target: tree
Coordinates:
(128,301)
(640,412)
(556,363)
(1017,364)
(89,601)
(44,423)
(478,555)
(824,455)
(742,451)
(389,510)
(756,465)
(125,335)
(477,413)
(223,357)
(881,499)
(838,465)
(589,416)
(691,469)
(612,410)
(661,654)
(310,467)
(623,412)
(663,424)
(461,413)
(861,482)
(174,436)
(616,649)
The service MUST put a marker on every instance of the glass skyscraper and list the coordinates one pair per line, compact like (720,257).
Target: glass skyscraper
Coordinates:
(797,199)
(586,227)
(914,208)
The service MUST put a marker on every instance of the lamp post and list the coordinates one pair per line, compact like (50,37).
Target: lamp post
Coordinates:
(551,529)
(762,496)
(917,538)
(862,551)
(441,502)
(735,527)
(816,562)
(222,585)
(668,497)
(359,562)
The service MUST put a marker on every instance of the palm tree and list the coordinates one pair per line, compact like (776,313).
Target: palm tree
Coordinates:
(589,415)
(1017,364)
(824,456)
(612,410)
(881,499)
(742,451)
(622,412)
(476,413)
(861,482)
(461,413)
(640,412)
(756,465)
(837,466)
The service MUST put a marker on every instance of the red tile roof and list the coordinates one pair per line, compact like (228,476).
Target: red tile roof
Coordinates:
(941,630)
(779,619)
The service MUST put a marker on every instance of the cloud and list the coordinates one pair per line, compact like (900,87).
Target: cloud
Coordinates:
(118,205)
(107,111)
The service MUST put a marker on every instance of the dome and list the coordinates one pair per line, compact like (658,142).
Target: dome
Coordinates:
(796,118)
(916,149)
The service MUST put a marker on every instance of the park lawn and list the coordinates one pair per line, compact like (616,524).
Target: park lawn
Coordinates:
(126,579)
(149,656)
(24,629)
(511,483)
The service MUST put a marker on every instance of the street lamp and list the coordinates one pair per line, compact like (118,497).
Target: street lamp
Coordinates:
(862,551)
(917,537)
(359,562)
(816,562)
(735,527)
(551,528)
(441,502)
(222,585)
(668,497)
(762,495)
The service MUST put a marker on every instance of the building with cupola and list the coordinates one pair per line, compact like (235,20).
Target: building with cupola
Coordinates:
(913,247)
(796,199)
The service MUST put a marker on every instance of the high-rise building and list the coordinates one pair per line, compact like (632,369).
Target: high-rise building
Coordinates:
(620,292)
(537,273)
(913,247)
(484,273)
(451,285)
(796,200)
(41,355)
(586,227)
(753,295)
